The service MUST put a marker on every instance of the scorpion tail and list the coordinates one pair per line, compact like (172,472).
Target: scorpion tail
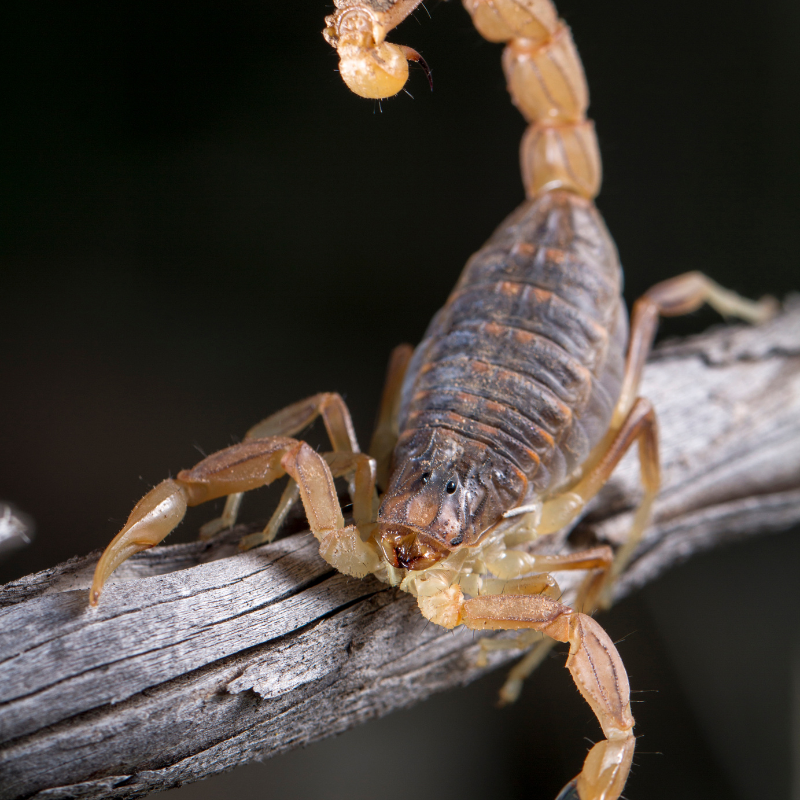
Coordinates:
(369,65)
(547,84)
(543,70)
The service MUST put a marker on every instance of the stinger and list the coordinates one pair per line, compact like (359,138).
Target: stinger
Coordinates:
(369,65)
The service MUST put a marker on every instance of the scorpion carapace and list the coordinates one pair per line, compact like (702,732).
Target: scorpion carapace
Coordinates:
(448,493)
(506,420)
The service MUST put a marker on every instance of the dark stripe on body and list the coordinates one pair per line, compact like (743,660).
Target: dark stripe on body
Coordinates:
(529,308)
(529,354)
(502,385)
(509,447)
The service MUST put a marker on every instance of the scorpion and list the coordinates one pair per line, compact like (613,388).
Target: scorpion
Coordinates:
(505,421)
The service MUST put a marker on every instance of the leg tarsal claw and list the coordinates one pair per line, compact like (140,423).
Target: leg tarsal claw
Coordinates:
(512,688)
(289,497)
(570,791)
(227,520)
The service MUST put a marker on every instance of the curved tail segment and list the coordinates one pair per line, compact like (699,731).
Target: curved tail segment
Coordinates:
(543,70)
(547,84)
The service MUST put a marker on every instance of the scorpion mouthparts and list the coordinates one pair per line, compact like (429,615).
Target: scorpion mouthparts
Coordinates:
(404,547)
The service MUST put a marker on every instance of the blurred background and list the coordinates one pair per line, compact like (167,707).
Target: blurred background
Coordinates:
(200,225)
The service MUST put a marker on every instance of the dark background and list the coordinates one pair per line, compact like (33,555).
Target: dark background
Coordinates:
(200,225)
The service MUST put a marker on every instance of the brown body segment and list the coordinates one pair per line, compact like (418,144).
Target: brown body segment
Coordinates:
(526,357)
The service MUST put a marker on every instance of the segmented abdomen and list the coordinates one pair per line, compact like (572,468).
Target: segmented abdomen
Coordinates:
(526,356)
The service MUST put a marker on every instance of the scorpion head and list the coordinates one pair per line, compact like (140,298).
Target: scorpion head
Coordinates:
(445,492)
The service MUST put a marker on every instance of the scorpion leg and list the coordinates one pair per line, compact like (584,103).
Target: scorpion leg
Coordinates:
(672,298)
(342,547)
(291,494)
(289,422)
(384,438)
(358,468)
(635,419)
(516,563)
(245,466)
(640,425)
(595,666)
(235,469)
(596,559)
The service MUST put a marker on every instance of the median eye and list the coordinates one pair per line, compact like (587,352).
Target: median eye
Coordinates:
(425,477)
(451,486)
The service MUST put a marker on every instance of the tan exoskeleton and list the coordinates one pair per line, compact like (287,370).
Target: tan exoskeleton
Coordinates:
(509,416)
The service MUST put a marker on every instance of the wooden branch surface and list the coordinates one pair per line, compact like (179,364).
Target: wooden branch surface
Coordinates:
(199,658)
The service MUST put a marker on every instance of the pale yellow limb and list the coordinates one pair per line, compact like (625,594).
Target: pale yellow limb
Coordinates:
(225,520)
(290,421)
(240,468)
(674,297)
(542,583)
(639,426)
(634,419)
(597,559)
(595,666)
(522,641)
(291,494)
(521,671)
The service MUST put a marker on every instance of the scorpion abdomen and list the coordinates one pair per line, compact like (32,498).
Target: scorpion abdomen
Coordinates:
(525,359)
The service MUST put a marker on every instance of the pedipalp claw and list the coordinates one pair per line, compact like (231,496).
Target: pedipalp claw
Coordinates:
(606,769)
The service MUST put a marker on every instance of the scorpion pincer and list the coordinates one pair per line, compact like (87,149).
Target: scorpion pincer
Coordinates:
(509,416)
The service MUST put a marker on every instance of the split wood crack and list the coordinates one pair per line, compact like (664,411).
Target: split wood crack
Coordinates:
(200,658)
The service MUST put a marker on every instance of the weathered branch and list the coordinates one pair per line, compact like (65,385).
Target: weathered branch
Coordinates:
(199,658)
